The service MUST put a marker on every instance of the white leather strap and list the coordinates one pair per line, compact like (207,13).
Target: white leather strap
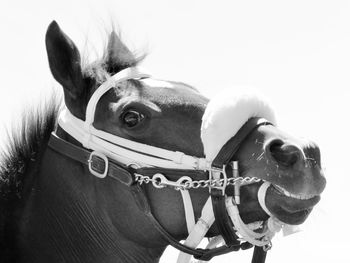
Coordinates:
(125,74)
(199,230)
(122,153)
(286,229)
(261,196)
(214,242)
(252,237)
(124,150)
(189,214)
(175,157)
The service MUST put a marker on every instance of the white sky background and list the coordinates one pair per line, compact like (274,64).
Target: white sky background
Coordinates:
(296,52)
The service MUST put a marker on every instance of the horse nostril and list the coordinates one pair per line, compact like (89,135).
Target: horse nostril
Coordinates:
(285,154)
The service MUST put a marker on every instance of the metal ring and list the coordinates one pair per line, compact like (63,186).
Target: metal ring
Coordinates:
(183,181)
(157,181)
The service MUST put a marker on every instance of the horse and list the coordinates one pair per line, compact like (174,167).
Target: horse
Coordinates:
(63,202)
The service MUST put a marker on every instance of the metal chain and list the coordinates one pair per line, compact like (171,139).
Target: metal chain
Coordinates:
(188,184)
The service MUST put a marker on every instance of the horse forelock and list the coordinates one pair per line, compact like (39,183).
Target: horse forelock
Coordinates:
(164,92)
(108,64)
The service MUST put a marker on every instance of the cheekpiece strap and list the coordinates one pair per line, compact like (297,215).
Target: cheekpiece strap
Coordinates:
(225,155)
(231,146)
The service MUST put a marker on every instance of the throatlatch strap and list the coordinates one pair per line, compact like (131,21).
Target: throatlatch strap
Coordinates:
(115,170)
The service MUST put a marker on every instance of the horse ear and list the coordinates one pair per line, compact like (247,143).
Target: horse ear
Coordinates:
(64,61)
(117,56)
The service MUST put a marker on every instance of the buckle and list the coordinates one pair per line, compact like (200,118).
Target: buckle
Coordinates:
(96,167)
(268,246)
(215,175)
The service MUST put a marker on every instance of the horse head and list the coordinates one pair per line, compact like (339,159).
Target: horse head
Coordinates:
(168,115)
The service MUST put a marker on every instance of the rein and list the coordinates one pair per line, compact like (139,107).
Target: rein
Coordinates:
(134,164)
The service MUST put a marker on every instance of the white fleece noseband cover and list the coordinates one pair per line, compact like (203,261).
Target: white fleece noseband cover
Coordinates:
(227,112)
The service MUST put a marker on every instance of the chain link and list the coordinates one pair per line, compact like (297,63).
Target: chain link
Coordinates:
(141,179)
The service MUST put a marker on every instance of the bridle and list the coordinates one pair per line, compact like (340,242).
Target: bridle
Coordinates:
(134,164)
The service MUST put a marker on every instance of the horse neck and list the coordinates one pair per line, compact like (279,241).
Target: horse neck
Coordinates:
(66,219)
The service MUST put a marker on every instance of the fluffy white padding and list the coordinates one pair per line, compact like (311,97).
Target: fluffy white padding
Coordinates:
(227,112)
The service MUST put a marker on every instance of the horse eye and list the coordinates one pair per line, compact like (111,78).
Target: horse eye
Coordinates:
(132,118)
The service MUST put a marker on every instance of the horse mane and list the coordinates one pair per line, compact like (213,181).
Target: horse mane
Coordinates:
(25,144)
(18,162)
